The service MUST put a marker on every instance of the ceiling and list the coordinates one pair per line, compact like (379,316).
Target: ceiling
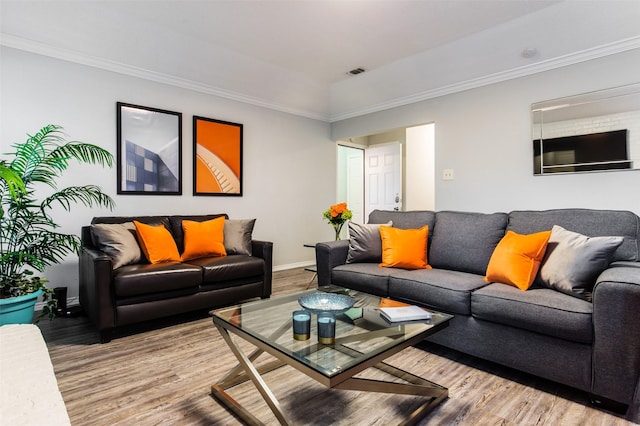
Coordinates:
(293,56)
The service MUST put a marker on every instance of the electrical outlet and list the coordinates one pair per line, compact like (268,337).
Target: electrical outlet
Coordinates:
(447,174)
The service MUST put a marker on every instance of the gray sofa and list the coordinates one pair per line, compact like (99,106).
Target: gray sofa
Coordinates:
(592,345)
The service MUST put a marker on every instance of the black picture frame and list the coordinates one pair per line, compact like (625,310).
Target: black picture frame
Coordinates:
(149,150)
(217,157)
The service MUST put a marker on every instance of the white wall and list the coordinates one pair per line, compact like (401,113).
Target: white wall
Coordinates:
(289,161)
(484,135)
(420,168)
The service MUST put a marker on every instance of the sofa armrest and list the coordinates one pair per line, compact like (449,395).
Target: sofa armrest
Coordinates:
(96,289)
(616,323)
(264,250)
(329,255)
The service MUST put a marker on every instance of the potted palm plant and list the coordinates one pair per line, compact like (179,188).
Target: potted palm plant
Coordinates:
(29,237)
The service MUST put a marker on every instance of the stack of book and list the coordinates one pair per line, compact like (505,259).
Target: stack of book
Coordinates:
(394,311)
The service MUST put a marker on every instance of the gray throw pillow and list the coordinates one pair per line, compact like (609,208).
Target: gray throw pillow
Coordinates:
(573,261)
(365,244)
(238,235)
(118,241)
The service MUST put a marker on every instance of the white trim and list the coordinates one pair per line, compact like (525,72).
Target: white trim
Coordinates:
(293,266)
(538,67)
(120,68)
(91,61)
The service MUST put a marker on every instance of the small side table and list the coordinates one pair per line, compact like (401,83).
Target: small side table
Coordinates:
(313,268)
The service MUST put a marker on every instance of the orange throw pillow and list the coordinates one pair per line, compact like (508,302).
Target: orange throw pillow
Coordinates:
(516,259)
(404,248)
(202,239)
(157,243)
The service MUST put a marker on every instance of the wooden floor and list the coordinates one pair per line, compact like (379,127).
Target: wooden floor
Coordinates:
(160,374)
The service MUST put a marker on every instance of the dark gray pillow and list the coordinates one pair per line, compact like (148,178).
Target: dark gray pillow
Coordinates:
(573,261)
(238,235)
(365,244)
(118,241)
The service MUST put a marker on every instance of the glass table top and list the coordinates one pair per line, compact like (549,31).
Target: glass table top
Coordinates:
(361,333)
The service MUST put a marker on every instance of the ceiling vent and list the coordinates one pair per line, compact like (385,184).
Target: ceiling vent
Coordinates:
(356,71)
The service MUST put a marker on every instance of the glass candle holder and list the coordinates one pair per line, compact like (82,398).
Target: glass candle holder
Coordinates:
(326,328)
(301,325)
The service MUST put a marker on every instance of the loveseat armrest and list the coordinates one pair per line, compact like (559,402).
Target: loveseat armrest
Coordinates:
(329,255)
(264,250)
(96,289)
(616,324)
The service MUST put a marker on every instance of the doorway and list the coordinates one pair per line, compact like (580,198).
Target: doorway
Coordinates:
(351,184)
(392,170)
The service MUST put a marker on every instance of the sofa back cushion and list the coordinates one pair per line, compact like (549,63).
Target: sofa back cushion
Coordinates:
(464,241)
(149,220)
(404,220)
(592,223)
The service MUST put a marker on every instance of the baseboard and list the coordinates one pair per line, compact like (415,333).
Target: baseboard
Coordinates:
(293,266)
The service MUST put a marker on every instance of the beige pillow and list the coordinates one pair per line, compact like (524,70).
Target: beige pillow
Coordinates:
(118,241)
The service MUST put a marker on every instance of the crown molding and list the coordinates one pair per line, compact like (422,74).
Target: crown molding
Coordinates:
(538,67)
(120,68)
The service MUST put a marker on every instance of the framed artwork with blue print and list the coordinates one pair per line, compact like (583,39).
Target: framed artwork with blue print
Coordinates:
(149,150)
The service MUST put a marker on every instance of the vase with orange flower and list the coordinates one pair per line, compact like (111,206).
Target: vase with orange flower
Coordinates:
(337,215)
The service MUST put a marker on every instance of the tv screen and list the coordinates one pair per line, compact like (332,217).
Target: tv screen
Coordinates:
(581,153)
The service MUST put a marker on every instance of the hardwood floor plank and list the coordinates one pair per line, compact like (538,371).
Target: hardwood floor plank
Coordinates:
(160,373)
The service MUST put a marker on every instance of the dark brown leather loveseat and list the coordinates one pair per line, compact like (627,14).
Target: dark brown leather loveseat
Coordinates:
(141,291)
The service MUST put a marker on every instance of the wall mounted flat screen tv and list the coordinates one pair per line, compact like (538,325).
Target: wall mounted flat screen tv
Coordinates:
(581,153)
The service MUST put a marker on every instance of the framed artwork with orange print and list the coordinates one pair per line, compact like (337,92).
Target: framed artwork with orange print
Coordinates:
(217,157)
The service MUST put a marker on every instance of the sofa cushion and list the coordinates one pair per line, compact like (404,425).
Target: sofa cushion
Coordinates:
(156,243)
(516,259)
(238,234)
(118,241)
(365,243)
(203,239)
(404,248)
(573,261)
(593,223)
(228,268)
(135,280)
(441,289)
(463,241)
(367,277)
(541,310)
(404,220)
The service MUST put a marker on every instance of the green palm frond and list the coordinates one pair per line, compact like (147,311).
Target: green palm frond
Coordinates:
(84,152)
(89,195)
(11,181)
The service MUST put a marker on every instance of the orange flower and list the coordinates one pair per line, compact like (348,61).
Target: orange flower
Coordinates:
(338,209)
(337,214)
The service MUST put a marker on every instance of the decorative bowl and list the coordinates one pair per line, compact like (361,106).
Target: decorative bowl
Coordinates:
(326,302)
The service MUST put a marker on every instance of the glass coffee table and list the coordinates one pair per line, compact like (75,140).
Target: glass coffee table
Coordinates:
(363,340)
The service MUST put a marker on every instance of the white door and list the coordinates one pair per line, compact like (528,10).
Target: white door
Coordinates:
(383,183)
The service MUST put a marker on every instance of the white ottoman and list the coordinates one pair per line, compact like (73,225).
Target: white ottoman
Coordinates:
(29,393)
